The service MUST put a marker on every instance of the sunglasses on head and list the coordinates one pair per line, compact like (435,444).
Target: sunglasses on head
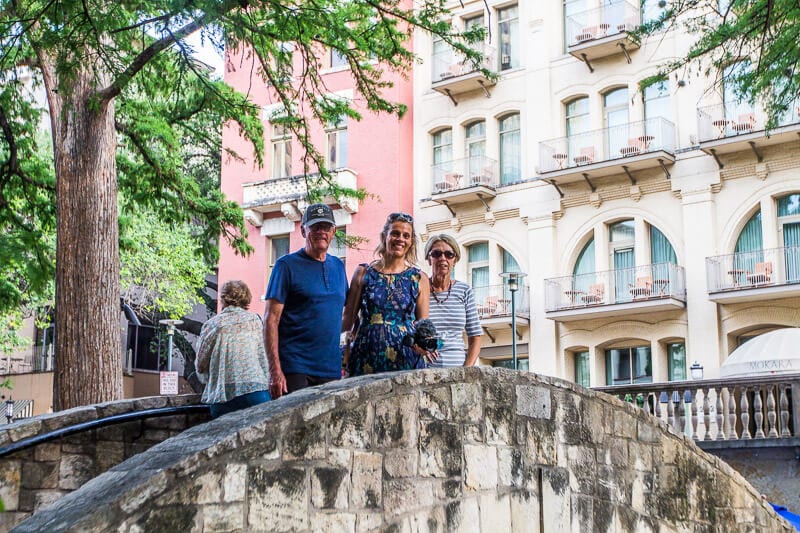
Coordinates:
(436,254)
(404,217)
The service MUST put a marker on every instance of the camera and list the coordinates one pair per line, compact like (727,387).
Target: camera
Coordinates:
(426,337)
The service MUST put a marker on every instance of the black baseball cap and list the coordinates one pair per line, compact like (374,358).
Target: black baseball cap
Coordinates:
(317,213)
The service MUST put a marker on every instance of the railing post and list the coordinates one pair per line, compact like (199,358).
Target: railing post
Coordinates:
(784,407)
(720,434)
(795,407)
(745,405)
(771,414)
(758,412)
(732,414)
(706,416)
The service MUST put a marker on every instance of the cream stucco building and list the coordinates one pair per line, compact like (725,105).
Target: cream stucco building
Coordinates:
(657,226)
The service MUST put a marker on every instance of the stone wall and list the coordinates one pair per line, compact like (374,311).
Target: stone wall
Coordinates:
(37,476)
(476,449)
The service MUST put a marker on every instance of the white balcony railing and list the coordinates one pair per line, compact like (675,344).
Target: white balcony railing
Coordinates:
(447,64)
(729,120)
(608,144)
(494,301)
(752,270)
(621,286)
(613,18)
(269,194)
(464,173)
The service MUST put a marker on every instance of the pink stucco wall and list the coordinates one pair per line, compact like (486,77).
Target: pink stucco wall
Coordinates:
(379,151)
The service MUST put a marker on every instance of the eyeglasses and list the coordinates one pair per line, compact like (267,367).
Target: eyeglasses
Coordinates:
(403,217)
(436,254)
(321,226)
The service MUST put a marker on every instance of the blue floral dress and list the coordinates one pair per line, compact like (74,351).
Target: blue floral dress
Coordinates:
(388,305)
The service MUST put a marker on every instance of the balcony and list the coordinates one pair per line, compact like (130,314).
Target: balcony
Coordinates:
(494,307)
(615,150)
(724,129)
(603,32)
(465,180)
(754,276)
(451,75)
(281,194)
(625,291)
(729,413)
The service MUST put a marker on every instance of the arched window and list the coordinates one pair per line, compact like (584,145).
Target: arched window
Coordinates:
(476,148)
(443,146)
(584,271)
(577,122)
(789,229)
(510,152)
(616,120)
(657,111)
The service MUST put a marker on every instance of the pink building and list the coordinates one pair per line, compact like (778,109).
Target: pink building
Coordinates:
(374,153)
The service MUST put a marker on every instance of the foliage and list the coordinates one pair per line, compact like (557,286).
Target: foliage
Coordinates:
(763,33)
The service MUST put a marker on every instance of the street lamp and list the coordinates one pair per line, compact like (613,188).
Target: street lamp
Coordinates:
(170,323)
(513,279)
(696,370)
(10,410)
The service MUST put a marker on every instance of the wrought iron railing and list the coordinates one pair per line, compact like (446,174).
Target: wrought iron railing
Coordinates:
(495,301)
(623,285)
(608,144)
(611,19)
(733,409)
(464,173)
(446,64)
(756,269)
(737,118)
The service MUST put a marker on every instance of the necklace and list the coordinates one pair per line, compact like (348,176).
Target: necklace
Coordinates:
(449,289)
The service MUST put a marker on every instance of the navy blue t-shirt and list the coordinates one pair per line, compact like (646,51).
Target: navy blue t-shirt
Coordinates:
(312,293)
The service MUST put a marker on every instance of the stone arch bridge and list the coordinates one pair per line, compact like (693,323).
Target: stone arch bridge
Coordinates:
(475,449)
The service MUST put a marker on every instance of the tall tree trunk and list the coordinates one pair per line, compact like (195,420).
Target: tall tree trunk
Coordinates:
(88,365)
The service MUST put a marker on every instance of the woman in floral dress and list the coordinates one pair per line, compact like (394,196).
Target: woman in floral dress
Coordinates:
(390,294)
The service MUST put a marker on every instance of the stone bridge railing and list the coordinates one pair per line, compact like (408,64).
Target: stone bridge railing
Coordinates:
(462,449)
(39,474)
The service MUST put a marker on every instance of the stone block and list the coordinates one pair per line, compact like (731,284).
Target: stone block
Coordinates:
(209,485)
(150,402)
(75,470)
(234,482)
(305,442)
(467,402)
(480,467)
(395,422)
(498,424)
(39,475)
(368,522)
(463,516)
(524,512)
(9,519)
(145,492)
(69,417)
(277,499)
(319,407)
(112,455)
(541,446)
(400,463)
(223,517)
(615,452)
(435,403)
(166,422)
(10,477)
(556,499)
(625,425)
(582,468)
(340,457)
(474,433)
(583,514)
(26,500)
(329,488)
(648,431)
(260,443)
(426,520)
(155,435)
(642,490)
(509,467)
(333,522)
(44,498)
(640,456)
(401,496)
(351,428)
(47,451)
(534,402)
(366,484)
(127,432)
(440,449)
(22,430)
(447,489)
(495,512)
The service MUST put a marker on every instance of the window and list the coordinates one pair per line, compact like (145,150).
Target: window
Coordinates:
(522,364)
(279,246)
(281,151)
(472,22)
(572,8)
(615,118)
(338,247)
(508,30)
(478,269)
(622,239)
(652,10)
(336,155)
(735,104)
(475,147)
(657,110)
(676,352)
(789,233)
(577,122)
(584,272)
(337,59)
(510,153)
(582,375)
(749,245)
(625,366)
(442,146)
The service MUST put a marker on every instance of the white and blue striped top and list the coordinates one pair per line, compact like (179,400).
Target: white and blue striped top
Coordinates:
(452,315)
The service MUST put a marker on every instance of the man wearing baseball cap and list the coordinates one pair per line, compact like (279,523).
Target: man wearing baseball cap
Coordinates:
(303,319)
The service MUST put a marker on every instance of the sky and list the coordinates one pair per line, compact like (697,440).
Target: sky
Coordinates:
(206,53)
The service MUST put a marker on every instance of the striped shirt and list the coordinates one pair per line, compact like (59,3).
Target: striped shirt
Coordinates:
(452,314)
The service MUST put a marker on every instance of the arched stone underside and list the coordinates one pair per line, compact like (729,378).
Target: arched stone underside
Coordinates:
(464,449)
